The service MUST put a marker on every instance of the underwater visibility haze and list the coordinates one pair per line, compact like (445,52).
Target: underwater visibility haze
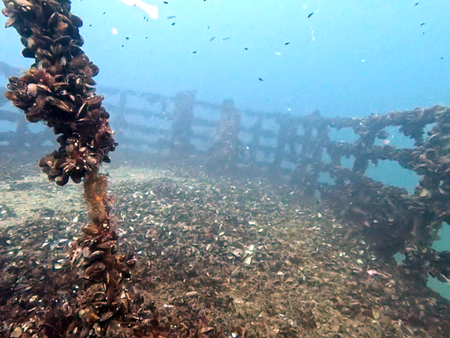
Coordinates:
(282,168)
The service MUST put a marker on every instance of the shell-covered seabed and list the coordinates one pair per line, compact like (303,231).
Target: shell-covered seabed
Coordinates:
(237,259)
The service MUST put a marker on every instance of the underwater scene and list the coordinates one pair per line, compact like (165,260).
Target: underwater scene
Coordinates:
(232,169)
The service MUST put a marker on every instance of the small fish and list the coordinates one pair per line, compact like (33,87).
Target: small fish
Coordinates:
(245,48)
(208,26)
(127,38)
(422,24)
(212,38)
(194,52)
(173,23)
(166,2)
(225,39)
(416,4)
(104,13)
(260,79)
(287,43)
(171,17)
(310,15)
(442,58)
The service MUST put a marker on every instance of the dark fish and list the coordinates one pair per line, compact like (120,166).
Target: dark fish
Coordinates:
(310,15)
(260,79)
(416,4)
(127,38)
(173,23)
(104,13)
(245,48)
(212,38)
(208,26)
(166,2)
(422,24)
(171,17)
(287,43)
(442,58)
(194,52)
(225,39)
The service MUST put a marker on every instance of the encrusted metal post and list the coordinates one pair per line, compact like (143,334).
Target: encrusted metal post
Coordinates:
(226,147)
(183,116)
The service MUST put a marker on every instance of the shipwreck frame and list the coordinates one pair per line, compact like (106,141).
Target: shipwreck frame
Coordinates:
(182,129)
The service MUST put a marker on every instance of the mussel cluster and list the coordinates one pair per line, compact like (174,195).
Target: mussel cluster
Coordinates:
(58,88)
(105,300)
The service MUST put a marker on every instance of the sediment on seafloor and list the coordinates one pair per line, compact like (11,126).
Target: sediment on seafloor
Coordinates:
(246,258)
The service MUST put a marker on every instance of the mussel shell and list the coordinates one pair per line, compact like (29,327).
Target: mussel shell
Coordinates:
(106,245)
(59,103)
(35,114)
(96,255)
(10,21)
(62,179)
(75,50)
(64,40)
(76,177)
(76,21)
(99,296)
(131,263)
(91,161)
(95,268)
(105,316)
(10,95)
(28,53)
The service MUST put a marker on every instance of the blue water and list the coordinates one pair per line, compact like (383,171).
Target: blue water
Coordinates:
(350,58)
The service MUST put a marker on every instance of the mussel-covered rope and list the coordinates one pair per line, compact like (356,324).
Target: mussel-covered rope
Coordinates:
(58,90)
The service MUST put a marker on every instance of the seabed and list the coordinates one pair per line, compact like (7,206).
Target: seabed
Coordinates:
(252,258)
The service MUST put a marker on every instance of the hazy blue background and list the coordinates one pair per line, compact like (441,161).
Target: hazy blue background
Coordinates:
(402,67)
(351,58)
